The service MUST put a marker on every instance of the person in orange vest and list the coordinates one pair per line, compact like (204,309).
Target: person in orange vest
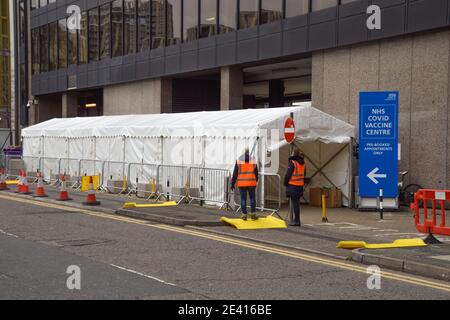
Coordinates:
(294,181)
(246,176)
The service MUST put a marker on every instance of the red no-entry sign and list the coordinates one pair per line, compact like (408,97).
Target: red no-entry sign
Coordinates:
(289,130)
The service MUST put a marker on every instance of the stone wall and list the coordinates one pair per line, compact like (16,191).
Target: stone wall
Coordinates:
(418,67)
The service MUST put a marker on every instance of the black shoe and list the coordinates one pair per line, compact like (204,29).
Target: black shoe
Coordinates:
(244,217)
(295,224)
(254,217)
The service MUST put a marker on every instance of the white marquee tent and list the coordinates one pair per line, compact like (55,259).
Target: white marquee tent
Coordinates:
(202,139)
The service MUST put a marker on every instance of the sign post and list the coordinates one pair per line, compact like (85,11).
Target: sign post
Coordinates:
(378,146)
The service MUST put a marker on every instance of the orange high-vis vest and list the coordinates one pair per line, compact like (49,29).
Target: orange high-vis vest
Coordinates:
(298,176)
(247,177)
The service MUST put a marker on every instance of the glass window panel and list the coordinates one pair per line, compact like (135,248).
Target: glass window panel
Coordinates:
(117,28)
(190,20)
(105,31)
(53,30)
(72,46)
(227,16)
(271,10)
(83,39)
(143,25)
(130,26)
(34,4)
(62,46)
(44,48)
(42,3)
(35,54)
(323,4)
(93,35)
(296,8)
(248,13)
(173,22)
(208,18)
(158,24)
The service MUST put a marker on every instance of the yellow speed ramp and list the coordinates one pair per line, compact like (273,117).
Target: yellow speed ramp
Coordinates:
(402,243)
(150,205)
(261,223)
(12,182)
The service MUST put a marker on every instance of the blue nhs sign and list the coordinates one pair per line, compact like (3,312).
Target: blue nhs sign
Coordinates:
(378,144)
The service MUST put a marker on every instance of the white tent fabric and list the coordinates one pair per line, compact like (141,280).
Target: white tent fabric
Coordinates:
(201,139)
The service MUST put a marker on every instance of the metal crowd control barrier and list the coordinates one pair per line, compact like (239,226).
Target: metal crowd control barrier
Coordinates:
(209,185)
(71,169)
(13,167)
(91,168)
(114,175)
(142,180)
(421,205)
(173,181)
(268,194)
(49,167)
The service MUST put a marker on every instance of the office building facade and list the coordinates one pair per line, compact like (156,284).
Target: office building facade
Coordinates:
(104,57)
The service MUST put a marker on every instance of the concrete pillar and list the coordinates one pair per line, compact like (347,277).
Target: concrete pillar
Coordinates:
(144,97)
(231,88)
(69,105)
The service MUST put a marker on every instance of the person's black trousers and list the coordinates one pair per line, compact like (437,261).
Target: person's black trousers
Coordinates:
(295,203)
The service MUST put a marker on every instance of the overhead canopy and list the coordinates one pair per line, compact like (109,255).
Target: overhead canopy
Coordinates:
(311,125)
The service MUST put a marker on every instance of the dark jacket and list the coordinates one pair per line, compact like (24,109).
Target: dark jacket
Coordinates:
(293,191)
(236,170)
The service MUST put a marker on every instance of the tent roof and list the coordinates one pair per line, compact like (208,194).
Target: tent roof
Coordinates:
(312,125)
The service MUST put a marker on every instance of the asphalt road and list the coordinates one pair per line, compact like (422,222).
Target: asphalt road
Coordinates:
(121,258)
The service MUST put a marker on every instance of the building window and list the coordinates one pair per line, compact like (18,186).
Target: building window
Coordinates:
(62,46)
(158,24)
(317,5)
(296,8)
(72,46)
(271,10)
(93,35)
(143,25)
(130,26)
(227,16)
(105,31)
(53,30)
(22,24)
(117,28)
(34,4)
(173,22)
(83,39)
(208,18)
(248,13)
(42,3)
(44,48)
(36,51)
(190,20)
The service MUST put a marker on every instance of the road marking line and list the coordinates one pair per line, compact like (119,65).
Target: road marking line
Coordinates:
(8,234)
(247,244)
(142,275)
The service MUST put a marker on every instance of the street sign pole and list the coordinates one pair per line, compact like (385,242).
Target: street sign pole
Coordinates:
(378,148)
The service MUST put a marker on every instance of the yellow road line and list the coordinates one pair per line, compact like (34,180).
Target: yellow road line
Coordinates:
(246,244)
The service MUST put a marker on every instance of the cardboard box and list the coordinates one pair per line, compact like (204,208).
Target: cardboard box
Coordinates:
(315,197)
(333,197)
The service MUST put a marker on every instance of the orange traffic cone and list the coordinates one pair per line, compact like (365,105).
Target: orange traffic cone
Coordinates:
(3,185)
(40,192)
(20,184)
(25,187)
(63,194)
(91,199)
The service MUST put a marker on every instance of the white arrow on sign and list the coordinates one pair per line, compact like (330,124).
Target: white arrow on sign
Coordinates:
(374,175)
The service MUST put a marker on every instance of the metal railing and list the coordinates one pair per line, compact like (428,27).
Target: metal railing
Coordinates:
(193,184)
(173,181)
(114,175)
(142,180)
(209,185)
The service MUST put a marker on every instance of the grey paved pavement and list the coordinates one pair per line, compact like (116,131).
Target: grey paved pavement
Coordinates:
(50,238)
